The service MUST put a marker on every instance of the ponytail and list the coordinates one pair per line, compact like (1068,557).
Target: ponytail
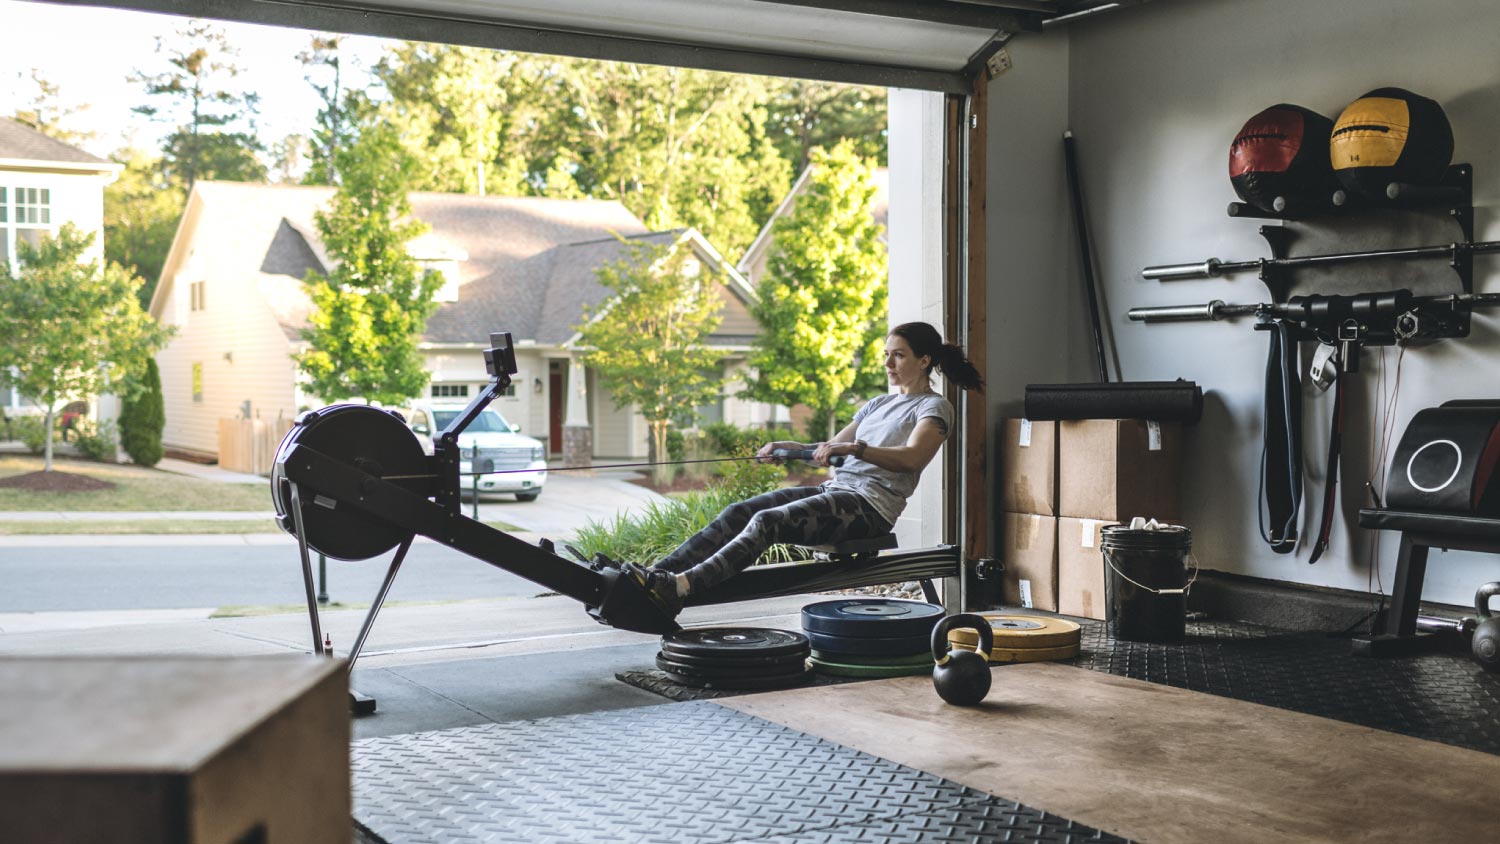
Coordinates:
(946,357)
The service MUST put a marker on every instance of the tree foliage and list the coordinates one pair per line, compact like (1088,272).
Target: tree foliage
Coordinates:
(324,65)
(213,134)
(143,416)
(48,113)
(74,325)
(646,342)
(141,210)
(804,114)
(374,304)
(823,299)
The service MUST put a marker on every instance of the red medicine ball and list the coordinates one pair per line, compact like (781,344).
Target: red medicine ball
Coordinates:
(1282,151)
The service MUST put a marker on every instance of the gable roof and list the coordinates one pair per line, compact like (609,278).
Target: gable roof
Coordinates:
(753,262)
(528,267)
(23,146)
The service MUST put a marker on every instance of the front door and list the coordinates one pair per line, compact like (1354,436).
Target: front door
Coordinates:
(557,406)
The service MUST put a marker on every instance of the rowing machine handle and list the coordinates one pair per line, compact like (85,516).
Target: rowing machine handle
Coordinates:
(804,454)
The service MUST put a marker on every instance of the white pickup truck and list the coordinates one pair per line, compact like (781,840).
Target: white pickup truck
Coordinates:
(490,442)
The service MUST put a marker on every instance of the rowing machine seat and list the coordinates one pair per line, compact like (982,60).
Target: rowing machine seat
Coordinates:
(853,549)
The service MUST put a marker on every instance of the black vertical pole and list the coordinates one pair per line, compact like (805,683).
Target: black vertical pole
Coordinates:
(322,579)
(1085,254)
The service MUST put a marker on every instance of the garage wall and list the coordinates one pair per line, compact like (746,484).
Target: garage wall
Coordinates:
(1154,95)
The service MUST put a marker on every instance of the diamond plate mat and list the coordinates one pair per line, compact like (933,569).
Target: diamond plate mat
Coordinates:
(683,772)
(1440,697)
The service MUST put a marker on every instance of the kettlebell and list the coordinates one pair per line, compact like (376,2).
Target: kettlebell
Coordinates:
(962,677)
(1486,642)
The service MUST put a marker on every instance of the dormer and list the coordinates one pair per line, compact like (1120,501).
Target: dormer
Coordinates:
(434,254)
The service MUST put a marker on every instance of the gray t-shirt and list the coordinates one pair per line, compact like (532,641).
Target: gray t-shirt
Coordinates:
(887,422)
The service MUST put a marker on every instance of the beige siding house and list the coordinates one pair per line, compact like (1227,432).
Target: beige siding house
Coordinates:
(232,285)
(43,184)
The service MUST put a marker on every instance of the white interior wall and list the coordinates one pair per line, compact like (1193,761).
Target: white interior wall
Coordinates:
(1154,95)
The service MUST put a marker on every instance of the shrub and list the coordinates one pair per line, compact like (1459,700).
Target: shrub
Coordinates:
(724,438)
(676,445)
(96,441)
(31,431)
(142,419)
(654,532)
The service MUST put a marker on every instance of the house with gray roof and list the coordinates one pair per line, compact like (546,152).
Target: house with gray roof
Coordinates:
(232,285)
(43,184)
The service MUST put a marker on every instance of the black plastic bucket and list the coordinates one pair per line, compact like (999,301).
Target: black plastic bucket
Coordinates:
(1145,582)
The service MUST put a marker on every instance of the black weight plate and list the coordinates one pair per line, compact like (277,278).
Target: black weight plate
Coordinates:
(741,684)
(376,441)
(729,672)
(733,642)
(839,646)
(749,663)
(875,617)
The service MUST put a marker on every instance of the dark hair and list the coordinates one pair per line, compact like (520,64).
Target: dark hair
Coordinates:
(946,357)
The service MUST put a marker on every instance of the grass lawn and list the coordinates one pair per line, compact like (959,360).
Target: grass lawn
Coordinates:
(154,527)
(136,489)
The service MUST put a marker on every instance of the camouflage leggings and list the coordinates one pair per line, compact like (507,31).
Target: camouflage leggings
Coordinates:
(804,515)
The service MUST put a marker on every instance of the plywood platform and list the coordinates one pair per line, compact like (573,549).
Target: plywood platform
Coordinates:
(1159,764)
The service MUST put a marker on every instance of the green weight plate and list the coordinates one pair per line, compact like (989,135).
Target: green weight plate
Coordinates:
(729,672)
(905,661)
(886,618)
(734,642)
(842,669)
(741,684)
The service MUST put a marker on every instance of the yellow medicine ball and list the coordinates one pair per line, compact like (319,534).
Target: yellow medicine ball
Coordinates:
(1390,135)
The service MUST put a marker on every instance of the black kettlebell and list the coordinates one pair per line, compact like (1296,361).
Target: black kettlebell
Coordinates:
(962,677)
(1486,642)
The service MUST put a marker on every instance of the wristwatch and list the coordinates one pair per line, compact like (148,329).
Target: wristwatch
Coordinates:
(859,449)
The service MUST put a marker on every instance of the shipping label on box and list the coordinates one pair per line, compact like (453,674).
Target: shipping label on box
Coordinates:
(1029,543)
(1028,466)
(1116,469)
(1080,567)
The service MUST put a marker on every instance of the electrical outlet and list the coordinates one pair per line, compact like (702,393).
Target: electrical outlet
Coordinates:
(998,63)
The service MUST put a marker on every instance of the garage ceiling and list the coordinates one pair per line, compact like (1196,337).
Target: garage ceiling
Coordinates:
(921,44)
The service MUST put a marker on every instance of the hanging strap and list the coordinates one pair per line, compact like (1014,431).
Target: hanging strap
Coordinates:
(1281,451)
(1331,477)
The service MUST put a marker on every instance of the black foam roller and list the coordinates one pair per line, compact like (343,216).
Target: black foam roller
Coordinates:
(1162,401)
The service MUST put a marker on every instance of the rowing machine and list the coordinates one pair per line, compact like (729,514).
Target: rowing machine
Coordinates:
(351,482)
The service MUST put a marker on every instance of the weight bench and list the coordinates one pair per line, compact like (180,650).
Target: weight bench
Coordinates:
(1398,634)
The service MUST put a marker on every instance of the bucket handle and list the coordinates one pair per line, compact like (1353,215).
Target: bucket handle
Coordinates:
(1186,588)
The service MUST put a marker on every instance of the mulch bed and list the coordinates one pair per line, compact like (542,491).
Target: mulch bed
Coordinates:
(54,481)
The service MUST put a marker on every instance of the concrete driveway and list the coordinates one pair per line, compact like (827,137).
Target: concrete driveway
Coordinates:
(569,501)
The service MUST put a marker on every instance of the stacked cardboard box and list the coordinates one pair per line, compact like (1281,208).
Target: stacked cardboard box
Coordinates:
(1028,518)
(1109,471)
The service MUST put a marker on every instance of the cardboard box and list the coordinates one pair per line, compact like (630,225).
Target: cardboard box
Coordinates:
(1028,548)
(1028,467)
(1115,469)
(1080,567)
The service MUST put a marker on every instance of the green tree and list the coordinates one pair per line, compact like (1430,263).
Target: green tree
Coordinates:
(49,114)
(213,134)
(142,418)
(74,325)
(370,310)
(325,74)
(646,342)
(804,114)
(141,211)
(824,296)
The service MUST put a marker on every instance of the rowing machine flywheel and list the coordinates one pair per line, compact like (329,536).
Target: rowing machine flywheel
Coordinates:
(372,440)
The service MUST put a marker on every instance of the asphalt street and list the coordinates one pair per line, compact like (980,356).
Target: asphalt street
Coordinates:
(228,572)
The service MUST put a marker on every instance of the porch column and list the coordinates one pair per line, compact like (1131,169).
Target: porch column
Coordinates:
(578,437)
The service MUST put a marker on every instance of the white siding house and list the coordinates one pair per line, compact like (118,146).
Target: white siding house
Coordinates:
(45,183)
(232,285)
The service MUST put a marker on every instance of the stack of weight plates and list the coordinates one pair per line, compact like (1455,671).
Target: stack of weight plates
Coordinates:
(1023,638)
(871,637)
(741,658)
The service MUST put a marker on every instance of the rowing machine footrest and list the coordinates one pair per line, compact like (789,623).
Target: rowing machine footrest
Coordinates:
(626,606)
(853,549)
